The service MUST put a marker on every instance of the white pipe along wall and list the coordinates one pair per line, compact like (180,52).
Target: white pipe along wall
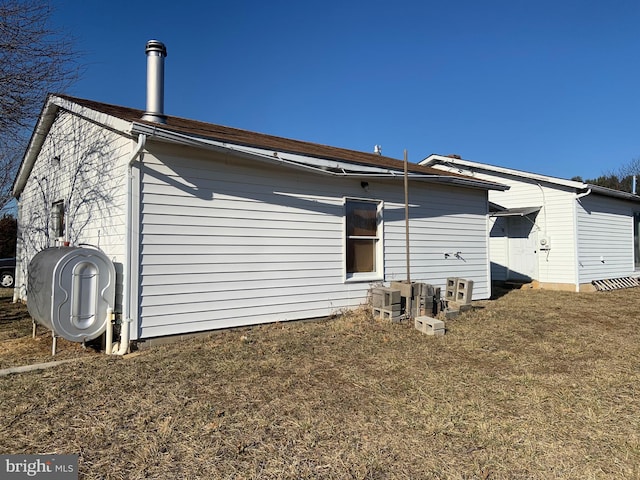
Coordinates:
(123,346)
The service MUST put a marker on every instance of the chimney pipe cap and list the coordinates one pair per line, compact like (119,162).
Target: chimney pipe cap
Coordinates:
(155,46)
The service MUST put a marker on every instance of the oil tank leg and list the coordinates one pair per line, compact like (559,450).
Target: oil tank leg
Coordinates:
(33,329)
(53,344)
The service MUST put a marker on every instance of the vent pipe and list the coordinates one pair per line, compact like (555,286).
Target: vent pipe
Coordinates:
(156,51)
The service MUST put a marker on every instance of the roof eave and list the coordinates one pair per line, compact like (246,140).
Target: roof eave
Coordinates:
(610,192)
(277,158)
(435,159)
(40,132)
(53,105)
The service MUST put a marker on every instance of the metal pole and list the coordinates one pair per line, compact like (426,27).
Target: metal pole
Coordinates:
(406,212)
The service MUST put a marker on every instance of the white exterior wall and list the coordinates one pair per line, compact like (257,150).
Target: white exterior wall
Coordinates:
(556,218)
(90,178)
(605,233)
(226,242)
(498,249)
(443,220)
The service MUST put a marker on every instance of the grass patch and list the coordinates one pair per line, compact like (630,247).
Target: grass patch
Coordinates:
(533,385)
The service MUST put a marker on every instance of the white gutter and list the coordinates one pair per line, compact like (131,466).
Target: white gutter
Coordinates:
(583,194)
(123,346)
(277,158)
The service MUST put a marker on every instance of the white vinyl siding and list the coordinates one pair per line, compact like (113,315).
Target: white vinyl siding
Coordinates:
(442,221)
(605,233)
(591,236)
(83,166)
(498,248)
(555,219)
(227,242)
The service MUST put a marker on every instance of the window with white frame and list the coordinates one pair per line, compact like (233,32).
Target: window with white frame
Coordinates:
(57,219)
(363,254)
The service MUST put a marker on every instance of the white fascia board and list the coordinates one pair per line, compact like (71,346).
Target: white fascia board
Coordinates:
(433,160)
(47,116)
(456,163)
(45,121)
(100,118)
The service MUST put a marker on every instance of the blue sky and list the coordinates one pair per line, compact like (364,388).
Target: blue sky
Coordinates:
(549,87)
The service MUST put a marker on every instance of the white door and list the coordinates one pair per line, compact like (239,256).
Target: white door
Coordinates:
(523,255)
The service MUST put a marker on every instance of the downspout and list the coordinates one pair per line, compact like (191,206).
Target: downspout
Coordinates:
(575,236)
(583,194)
(544,206)
(122,347)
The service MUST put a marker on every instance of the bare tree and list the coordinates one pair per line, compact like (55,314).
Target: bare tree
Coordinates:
(35,59)
(619,179)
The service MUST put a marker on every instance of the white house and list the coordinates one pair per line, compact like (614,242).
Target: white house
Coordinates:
(212,227)
(556,233)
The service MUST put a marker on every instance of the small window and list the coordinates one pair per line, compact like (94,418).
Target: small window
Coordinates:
(57,219)
(363,242)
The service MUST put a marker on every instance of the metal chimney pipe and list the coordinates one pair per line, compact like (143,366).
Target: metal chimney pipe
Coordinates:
(156,51)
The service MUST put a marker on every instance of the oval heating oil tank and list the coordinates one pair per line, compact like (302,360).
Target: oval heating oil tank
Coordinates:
(69,291)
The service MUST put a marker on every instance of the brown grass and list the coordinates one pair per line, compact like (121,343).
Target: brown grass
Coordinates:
(533,385)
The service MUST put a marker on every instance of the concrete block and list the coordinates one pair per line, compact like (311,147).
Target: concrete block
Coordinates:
(427,290)
(451,314)
(451,291)
(384,314)
(406,289)
(424,305)
(467,307)
(391,297)
(383,296)
(464,291)
(429,326)
(377,300)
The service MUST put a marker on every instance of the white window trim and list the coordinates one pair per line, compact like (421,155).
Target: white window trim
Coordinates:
(378,275)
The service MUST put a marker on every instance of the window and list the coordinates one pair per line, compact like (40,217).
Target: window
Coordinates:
(57,219)
(363,242)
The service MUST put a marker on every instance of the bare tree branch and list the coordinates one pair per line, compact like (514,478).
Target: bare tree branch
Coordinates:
(35,59)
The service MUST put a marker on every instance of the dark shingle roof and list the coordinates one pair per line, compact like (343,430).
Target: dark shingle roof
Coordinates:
(252,139)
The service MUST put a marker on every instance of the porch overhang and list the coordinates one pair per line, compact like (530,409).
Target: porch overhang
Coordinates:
(515,212)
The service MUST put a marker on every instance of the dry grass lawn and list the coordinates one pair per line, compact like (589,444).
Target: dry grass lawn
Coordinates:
(533,385)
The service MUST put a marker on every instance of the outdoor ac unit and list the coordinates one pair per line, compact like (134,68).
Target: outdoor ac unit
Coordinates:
(545,242)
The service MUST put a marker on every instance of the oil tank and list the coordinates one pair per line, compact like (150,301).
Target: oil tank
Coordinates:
(70,290)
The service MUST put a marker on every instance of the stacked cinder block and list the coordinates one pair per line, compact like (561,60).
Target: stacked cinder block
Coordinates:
(464,291)
(407,293)
(404,300)
(451,289)
(427,300)
(459,292)
(386,303)
(429,326)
